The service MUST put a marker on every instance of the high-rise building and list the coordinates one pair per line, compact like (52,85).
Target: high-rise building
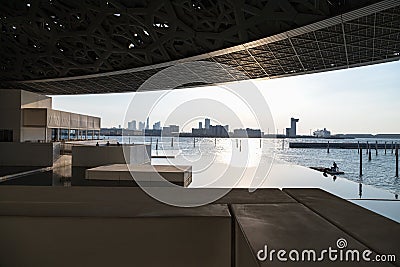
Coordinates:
(207,123)
(141,125)
(200,125)
(157,126)
(132,125)
(148,123)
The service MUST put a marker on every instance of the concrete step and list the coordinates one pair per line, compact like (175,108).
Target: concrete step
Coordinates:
(261,228)
(375,231)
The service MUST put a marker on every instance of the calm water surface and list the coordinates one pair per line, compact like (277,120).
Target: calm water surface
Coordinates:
(205,153)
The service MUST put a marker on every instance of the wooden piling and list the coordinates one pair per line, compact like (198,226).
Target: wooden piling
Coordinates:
(194,141)
(376,147)
(369,153)
(172,142)
(358,147)
(385,147)
(260,143)
(328,147)
(215,141)
(392,147)
(157,144)
(397,161)
(367,148)
(361,161)
(240,147)
(283,144)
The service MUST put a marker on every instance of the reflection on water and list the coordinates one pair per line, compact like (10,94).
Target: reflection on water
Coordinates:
(379,172)
(226,165)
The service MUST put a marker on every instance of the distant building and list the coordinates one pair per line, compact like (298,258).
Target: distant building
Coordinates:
(28,116)
(152,132)
(200,125)
(148,123)
(132,125)
(119,126)
(211,131)
(157,126)
(174,128)
(171,130)
(111,131)
(128,132)
(292,131)
(247,133)
(199,132)
(207,123)
(322,133)
(218,131)
(141,125)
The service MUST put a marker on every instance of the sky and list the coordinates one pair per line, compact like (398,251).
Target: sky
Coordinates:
(357,100)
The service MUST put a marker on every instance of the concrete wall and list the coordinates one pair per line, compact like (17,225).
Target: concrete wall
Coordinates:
(11,102)
(26,154)
(34,117)
(33,100)
(86,157)
(82,234)
(33,134)
(94,156)
(62,119)
(10,110)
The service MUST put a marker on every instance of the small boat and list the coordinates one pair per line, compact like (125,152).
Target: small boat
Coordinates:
(330,171)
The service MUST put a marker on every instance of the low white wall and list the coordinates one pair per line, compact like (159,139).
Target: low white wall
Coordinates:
(26,154)
(93,156)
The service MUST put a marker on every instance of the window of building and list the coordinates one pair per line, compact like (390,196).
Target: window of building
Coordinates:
(73,134)
(54,134)
(64,134)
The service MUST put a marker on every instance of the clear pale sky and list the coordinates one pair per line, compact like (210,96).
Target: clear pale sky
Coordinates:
(357,100)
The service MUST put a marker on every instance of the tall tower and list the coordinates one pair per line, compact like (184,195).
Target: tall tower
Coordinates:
(293,129)
(207,123)
(200,125)
(147,123)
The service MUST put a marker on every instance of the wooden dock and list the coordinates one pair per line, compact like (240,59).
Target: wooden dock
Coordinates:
(324,145)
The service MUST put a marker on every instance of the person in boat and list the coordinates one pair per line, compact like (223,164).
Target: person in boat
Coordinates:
(335,167)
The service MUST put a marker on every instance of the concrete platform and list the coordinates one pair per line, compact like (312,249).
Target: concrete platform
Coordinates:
(375,231)
(145,174)
(260,196)
(288,226)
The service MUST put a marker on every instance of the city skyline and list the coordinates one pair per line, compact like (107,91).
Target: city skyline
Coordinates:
(359,100)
